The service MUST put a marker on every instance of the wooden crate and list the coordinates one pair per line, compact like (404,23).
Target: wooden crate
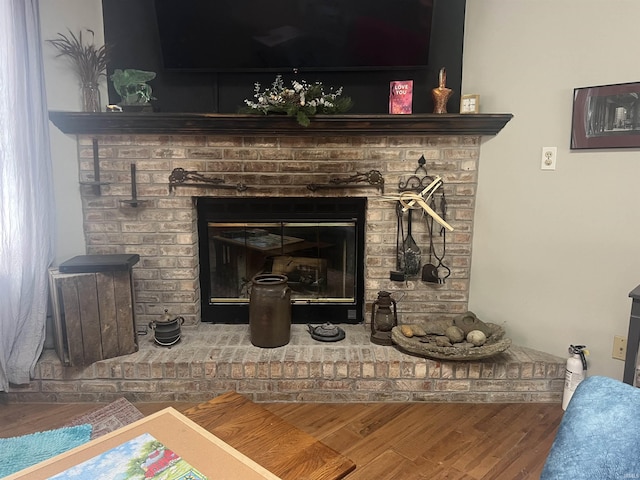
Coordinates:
(93,315)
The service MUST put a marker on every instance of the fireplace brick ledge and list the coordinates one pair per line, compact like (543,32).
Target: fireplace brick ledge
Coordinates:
(212,359)
(127,123)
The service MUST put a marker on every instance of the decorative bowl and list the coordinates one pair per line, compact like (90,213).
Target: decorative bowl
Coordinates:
(426,346)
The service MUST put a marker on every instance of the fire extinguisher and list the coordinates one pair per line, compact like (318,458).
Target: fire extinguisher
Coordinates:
(575,372)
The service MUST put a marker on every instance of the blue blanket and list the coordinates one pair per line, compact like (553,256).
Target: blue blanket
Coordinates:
(17,453)
(599,435)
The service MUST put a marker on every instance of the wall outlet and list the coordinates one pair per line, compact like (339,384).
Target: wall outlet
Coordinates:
(549,158)
(619,348)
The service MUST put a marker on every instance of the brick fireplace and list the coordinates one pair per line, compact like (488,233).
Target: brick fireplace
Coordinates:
(163,228)
(275,157)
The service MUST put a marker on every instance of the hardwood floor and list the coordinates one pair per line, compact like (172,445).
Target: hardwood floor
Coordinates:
(386,440)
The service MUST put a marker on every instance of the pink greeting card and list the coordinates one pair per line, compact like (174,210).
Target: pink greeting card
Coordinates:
(401,97)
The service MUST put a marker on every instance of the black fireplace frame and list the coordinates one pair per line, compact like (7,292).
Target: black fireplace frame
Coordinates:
(286,209)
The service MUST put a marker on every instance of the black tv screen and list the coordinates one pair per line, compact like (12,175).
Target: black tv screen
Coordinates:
(294,35)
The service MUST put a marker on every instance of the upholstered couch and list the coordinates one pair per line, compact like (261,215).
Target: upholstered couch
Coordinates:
(599,435)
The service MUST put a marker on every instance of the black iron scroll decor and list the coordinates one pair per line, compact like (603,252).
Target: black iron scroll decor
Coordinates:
(415,183)
(183,178)
(372,178)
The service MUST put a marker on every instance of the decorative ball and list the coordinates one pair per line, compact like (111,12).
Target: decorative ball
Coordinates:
(476,337)
(455,334)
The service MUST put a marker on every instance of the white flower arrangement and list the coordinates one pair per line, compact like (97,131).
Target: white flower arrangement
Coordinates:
(301,100)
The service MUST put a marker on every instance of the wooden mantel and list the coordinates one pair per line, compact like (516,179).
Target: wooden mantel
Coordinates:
(126,123)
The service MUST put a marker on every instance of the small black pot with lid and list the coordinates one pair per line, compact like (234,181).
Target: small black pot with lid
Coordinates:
(327,332)
(167,332)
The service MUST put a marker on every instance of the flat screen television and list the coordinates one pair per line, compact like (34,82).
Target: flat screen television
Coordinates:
(144,35)
(294,35)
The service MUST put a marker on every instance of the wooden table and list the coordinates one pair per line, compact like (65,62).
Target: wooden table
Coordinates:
(264,437)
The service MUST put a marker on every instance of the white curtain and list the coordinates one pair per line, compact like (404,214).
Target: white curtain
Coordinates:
(26,193)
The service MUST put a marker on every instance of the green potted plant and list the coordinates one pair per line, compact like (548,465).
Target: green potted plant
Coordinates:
(89,63)
(133,89)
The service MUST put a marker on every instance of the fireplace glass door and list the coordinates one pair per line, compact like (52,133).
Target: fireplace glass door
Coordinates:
(321,258)
(317,258)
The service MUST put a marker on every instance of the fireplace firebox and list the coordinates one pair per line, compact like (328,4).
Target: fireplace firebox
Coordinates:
(318,243)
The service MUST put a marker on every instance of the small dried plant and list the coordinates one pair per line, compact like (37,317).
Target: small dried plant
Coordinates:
(89,61)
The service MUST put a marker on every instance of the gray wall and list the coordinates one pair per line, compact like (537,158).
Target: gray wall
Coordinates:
(553,250)
(63,93)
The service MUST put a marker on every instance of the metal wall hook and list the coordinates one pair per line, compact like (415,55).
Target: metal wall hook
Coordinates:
(415,183)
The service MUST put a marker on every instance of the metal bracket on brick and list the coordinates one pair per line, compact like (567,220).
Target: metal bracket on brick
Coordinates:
(133,201)
(182,178)
(372,178)
(96,183)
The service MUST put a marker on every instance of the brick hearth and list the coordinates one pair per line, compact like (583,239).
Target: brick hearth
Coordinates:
(211,359)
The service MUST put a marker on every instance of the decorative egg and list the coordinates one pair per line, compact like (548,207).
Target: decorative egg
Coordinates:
(455,334)
(476,337)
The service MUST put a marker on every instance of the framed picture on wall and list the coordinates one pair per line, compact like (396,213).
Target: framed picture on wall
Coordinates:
(606,116)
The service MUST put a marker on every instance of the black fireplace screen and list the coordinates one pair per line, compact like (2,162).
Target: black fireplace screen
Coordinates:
(319,249)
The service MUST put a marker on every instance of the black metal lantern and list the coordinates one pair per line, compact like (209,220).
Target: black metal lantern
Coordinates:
(383,319)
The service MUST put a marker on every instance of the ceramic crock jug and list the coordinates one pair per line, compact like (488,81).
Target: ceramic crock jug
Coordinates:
(270,310)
